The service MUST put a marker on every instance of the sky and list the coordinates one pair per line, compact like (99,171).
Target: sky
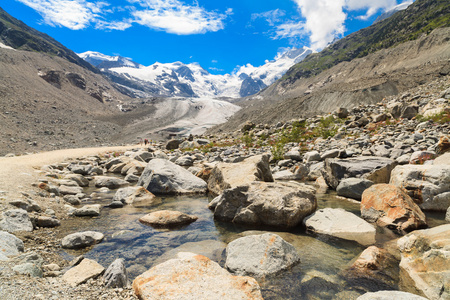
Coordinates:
(219,35)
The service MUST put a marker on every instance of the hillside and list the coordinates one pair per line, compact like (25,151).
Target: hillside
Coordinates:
(18,35)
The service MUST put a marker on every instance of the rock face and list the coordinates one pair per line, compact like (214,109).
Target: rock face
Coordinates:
(353,187)
(10,244)
(129,195)
(376,169)
(389,206)
(164,177)
(116,274)
(81,239)
(193,276)
(230,175)
(260,255)
(428,185)
(167,218)
(281,204)
(389,295)
(16,220)
(425,263)
(342,224)
(81,273)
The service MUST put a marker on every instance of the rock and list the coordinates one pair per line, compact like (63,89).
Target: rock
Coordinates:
(82,239)
(90,210)
(260,255)
(193,276)
(342,224)
(72,199)
(164,177)
(116,204)
(353,187)
(419,157)
(82,272)
(28,269)
(425,263)
(131,178)
(342,113)
(43,221)
(70,190)
(141,156)
(390,295)
(375,267)
(409,112)
(116,274)
(167,218)
(312,156)
(315,171)
(288,175)
(26,204)
(10,244)
(173,144)
(226,175)
(185,161)
(81,169)
(443,145)
(444,159)
(29,263)
(78,178)
(330,154)
(16,220)
(447,215)
(129,195)
(428,185)
(281,204)
(109,182)
(391,207)
(376,169)
(293,154)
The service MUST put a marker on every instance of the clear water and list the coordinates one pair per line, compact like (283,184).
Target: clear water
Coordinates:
(316,277)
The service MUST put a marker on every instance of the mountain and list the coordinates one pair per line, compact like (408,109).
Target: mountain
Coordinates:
(18,35)
(404,51)
(387,14)
(191,80)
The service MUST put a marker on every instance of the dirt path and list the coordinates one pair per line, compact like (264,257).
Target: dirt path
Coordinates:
(18,173)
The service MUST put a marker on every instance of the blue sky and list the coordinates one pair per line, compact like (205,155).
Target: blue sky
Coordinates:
(220,35)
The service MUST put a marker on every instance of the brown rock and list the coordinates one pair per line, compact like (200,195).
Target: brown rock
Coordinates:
(443,145)
(193,276)
(81,273)
(391,207)
(167,218)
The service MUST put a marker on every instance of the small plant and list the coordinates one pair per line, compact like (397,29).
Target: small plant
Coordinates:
(247,140)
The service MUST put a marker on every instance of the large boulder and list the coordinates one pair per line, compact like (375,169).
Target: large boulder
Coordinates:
(16,220)
(81,239)
(425,262)
(164,177)
(116,275)
(260,255)
(129,195)
(10,244)
(428,185)
(391,207)
(82,272)
(281,204)
(230,175)
(193,276)
(342,224)
(167,218)
(376,169)
(353,187)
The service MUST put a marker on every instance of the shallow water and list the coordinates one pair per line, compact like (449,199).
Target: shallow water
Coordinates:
(316,277)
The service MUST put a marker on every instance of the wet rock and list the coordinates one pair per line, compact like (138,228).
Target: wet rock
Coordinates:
(164,177)
(376,169)
(390,207)
(425,263)
(342,224)
(227,175)
(260,255)
(281,204)
(129,195)
(167,218)
(72,199)
(353,187)
(192,275)
(10,244)
(16,220)
(90,210)
(109,182)
(81,239)
(428,185)
(116,274)
(43,221)
(82,272)
(389,295)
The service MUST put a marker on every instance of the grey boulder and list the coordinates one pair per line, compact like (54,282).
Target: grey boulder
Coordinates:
(16,220)
(10,244)
(353,187)
(116,274)
(82,239)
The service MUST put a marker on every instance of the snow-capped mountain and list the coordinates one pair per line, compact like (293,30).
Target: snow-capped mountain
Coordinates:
(191,80)
(387,14)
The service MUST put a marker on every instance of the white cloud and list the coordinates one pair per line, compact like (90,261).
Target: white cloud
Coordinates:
(290,30)
(371,6)
(113,25)
(173,16)
(272,16)
(73,14)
